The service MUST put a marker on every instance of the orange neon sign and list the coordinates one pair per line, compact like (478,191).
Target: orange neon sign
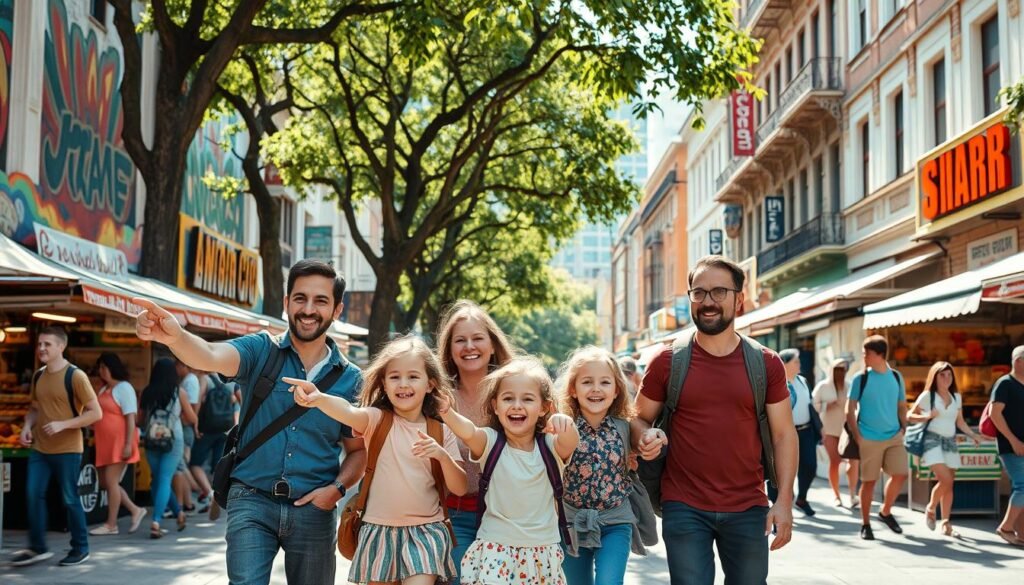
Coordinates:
(967,173)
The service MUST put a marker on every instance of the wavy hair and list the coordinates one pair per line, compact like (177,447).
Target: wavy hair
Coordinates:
(527,366)
(374,394)
(569,372)
(466,310)
(931,382)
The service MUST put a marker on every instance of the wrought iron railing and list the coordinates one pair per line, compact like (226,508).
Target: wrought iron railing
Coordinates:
(821,73)
(726,175)
(824,230)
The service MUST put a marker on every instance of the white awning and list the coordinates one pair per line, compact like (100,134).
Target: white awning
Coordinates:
(945,299)
(17,261)
(350,329)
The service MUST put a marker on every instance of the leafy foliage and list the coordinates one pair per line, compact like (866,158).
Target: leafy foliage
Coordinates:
(1014,96)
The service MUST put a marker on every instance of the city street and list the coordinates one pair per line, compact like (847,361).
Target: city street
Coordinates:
(825,551)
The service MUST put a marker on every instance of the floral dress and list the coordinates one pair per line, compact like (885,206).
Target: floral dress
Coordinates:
(596,477)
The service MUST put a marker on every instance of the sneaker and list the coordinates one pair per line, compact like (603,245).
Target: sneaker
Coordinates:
(73,558)
(891,522)
(805,507)
(188,510)
(103,530)
(24,558)
(202,507)
(866,533)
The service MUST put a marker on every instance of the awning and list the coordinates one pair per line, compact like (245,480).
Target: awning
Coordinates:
(350,329)
(766,316)
(17,261)
(945,299)
(1008,287)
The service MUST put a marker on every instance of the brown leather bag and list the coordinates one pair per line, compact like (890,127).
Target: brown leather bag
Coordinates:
(352,514)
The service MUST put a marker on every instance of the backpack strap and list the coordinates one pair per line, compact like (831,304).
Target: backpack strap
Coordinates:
(435,429)
(485,476)
(757,375)
(69,375)
(372,453)
(555,477)
(622,426)
(682,353)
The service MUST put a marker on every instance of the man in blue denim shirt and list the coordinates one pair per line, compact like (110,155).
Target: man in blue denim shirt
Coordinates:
(285,495)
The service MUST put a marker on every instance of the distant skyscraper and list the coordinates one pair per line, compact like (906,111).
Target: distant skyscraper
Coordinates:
(635,164)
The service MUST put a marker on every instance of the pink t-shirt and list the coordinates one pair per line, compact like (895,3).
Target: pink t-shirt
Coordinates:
(403,491)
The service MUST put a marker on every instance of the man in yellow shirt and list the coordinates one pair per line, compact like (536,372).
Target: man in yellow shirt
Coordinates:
(53,431)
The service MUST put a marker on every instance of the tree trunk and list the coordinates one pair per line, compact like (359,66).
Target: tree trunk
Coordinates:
(430,319)
(161,220)
(269,210)
(382,309)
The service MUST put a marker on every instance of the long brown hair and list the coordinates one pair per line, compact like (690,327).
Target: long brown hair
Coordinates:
(527,366)
(931,383)
(621,407)
(466,310)
(373,393)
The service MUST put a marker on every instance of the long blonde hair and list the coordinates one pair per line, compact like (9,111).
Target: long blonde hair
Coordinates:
(373,393)
(622,406)
(527,366)
(466,310)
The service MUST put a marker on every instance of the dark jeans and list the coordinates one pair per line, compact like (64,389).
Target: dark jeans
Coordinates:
(64,467)
(808,468)
(742,545)
(259,525)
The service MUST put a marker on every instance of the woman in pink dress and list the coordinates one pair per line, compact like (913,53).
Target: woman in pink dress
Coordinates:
(117,440)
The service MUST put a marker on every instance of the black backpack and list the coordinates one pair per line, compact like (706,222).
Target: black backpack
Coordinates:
(650,472)
(217,413)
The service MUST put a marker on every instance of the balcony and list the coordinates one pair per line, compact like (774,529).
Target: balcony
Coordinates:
(797,106)
(762,16)
(816,240)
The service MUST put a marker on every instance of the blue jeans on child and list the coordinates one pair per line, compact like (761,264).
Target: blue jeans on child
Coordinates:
(464,526)
(162,467)
(742,545)
(64,467)
(601,566)
(1014,466)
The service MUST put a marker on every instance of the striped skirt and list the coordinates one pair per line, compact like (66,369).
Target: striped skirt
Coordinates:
(394,553)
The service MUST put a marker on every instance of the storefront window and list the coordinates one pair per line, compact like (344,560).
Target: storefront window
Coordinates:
(939,100)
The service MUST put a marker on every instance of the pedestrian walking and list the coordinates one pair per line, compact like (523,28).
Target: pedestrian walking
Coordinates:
(876,414)
(216,416)
(286,497)
(829,398)
(712,489)
(808,430)
(404,536)
(1008,417)
(630,371)
(62,403)
(117,441)
(184,482)
(165,412)
(593,391)
(522,452)
(940,407)
(470,345)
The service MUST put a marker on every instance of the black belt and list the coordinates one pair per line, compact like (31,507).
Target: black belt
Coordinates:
(281,489)
(803,427)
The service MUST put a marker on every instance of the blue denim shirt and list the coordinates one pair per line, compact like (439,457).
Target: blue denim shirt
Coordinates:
(306,453)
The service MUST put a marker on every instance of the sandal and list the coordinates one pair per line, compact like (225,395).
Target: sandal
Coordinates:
(1010,537)
(838,502)
(854,502)
(103,530)
(156,532)
(929,518)
(137,520)
(947,530)
(181,521)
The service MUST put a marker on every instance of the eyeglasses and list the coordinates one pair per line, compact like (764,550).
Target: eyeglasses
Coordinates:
(718,294)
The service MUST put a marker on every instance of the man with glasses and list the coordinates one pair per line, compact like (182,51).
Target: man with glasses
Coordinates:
(713,483)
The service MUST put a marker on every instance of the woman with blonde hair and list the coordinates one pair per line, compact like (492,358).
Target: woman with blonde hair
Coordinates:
(829,398)
(941,406)
(470,345)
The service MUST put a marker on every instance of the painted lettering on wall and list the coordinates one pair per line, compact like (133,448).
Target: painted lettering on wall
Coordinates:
(6,40)
(224,213)
(978,167)
(223,269)
(85,173)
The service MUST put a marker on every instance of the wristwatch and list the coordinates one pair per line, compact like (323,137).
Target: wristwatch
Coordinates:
(340,486)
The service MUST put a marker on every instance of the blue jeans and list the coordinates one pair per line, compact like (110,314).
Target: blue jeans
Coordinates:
(161,468)
(742,544)
(259,525)
(1014,466)
(65,467)
(464,525)
(601,566)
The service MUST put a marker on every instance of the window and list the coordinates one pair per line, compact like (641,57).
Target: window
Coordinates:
(865,153)
(790,205)
(836,163)
(768,97)
(805,202)
(862,23)
(819,186)
(832,16)
(801,51)
(98,10)
(815,35)
(939,101)
(778,81)
(990,63)
(789,64)
(287,231)
(757,230)
(897,106)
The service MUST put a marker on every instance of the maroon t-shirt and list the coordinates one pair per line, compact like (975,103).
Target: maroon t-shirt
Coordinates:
(714,455)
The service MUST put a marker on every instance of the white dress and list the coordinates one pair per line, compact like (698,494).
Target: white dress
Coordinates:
(944,426)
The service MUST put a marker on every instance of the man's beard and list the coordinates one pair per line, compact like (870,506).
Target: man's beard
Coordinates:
(293,322)
(718,325)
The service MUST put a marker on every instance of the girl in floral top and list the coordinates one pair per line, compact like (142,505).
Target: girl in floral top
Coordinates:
(592,389)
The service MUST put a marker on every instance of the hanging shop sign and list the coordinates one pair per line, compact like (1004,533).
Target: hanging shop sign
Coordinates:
(970,175)
(742,108)
(218,267)
(733,221)
(715,241)
(774,218)
(991,249)
(318,240)
(80,254)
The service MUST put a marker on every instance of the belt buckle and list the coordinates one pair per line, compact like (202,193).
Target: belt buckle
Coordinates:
(282,489)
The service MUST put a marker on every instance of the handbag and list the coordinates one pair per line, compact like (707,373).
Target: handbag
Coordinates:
(986,426)
(352,514)
(848,447)
(913,439)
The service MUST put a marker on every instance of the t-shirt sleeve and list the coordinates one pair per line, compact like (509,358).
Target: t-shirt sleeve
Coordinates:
(375,417)
(124,396)
(492,437)
(84,392)
(451,445)
(191,387)
(854,393)
(655,381)
(778,390)
(1001,392)
(250,348)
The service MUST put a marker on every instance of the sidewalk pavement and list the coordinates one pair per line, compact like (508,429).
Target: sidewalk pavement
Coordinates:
(826,550)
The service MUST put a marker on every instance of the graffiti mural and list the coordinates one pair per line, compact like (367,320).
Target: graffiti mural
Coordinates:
(224,213)
(6,39)
(86,178)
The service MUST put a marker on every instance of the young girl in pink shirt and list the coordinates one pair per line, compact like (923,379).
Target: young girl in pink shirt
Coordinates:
(404,536)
